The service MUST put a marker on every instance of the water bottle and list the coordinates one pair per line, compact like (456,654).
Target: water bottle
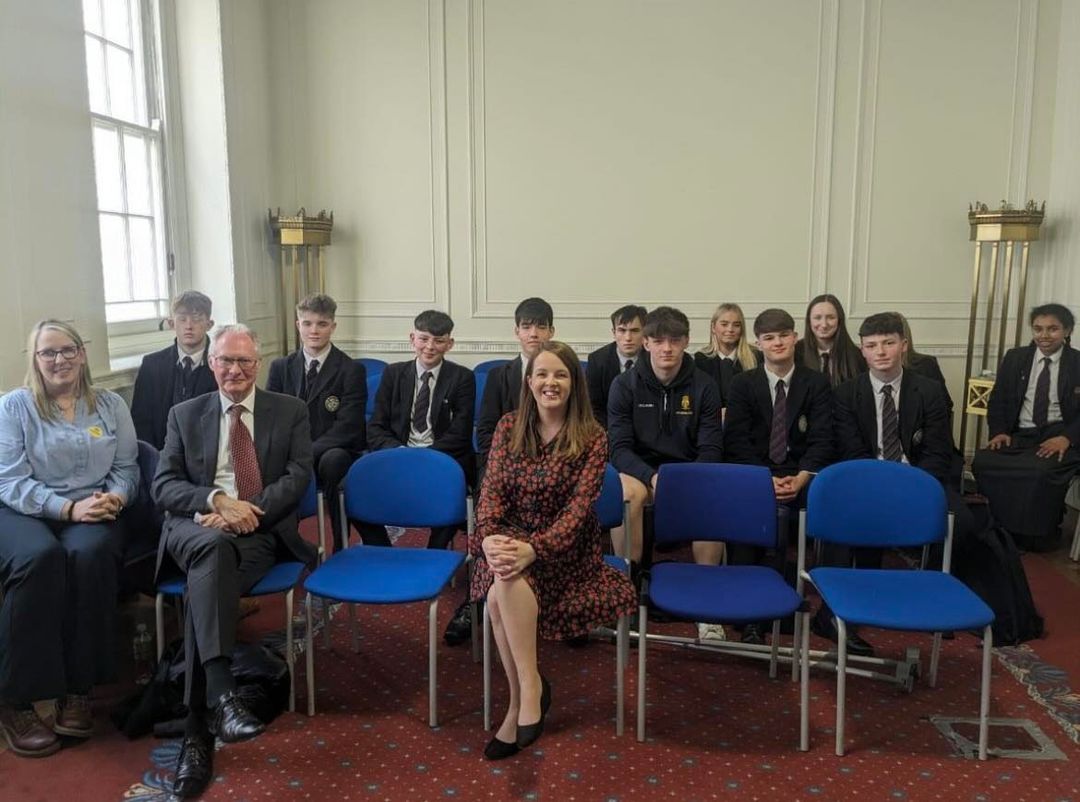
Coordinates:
(143,651)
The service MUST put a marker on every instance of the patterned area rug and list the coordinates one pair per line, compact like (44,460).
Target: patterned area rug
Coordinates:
(718,728)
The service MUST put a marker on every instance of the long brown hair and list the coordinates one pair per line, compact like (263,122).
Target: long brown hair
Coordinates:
(580,427)
(84,388)
(846,359)
(743,352)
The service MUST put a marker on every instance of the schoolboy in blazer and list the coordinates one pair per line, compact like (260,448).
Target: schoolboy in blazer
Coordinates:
(800,445)
(334,387)
(176,373)
(447,412)
(1034,421)
(620,355)
(533,325)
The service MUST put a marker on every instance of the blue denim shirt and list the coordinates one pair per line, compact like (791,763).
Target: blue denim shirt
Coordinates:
(44,464)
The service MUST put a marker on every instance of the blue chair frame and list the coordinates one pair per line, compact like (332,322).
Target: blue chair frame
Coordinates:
(717,502)
(381,488)
(907,507)
(282,578)
(611,511)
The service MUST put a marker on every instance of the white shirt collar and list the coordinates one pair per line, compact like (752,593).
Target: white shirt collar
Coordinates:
(321,356)
(877,384)
(1054,357)
(773,378)
(434,371)
(196,358)
(248,403)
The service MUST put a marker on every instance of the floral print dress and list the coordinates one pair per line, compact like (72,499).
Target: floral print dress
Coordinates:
(548,501)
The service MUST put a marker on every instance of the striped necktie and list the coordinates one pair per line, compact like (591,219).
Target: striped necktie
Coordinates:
(890,427)
(778,431)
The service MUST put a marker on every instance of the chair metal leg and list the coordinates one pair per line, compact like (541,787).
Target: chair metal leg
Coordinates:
(775,653)
(159,623)
(344,522)
(325,604)
(804,690)
(796,640)
(643,616)
(841,682)
(487,669)
(935,655)
(290,654)
(621,631)
(433,625)
(984,701)
(309,657)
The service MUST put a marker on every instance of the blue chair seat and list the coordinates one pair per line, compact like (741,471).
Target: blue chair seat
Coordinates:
(618,563)
(722,594)
(911,601)
(278,579)
(377,575)
(173,587)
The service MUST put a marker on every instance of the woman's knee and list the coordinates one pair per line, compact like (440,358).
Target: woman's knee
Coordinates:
(633,490)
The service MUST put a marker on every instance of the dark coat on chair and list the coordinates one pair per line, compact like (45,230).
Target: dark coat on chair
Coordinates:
(152,397)
(925,433)
(502,392)
(188,465)
(335,404)
(603,368)
(452,400)
(1010,386)
(809,421)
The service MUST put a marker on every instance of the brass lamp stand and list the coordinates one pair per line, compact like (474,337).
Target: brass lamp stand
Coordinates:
(301,261)
(1004,229)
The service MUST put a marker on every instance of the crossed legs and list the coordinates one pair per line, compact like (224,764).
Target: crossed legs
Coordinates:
(513,611)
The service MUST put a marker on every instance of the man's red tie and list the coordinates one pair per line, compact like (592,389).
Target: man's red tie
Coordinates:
(244,459)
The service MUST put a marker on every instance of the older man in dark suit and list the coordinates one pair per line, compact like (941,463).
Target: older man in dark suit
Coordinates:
(235,465)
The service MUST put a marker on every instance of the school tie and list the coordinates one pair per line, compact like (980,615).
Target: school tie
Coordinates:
(628,364)
(245,461)
(423,402)
(1041,409)
(778,432)
(309,379)
(826,367)
(890,427)
(185,376)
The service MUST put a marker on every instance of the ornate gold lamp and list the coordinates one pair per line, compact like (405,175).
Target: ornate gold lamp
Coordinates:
(1009,233)
(302,239)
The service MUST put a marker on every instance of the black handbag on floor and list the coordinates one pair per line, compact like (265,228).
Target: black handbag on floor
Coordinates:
(989,563)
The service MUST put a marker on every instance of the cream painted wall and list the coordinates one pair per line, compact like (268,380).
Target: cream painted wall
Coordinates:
(478,151)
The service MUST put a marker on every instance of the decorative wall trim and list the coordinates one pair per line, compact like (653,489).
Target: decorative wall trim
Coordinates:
(482,306)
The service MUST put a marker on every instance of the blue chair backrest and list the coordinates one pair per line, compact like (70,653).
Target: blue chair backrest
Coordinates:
(372,365)
(869,502)
(481,383)
(609,507)
(373,382)
(484,367)
(148,463)
(411,487)
(715,501)
(309,504)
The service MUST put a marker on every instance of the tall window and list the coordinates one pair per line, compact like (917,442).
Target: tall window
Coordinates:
(123,75)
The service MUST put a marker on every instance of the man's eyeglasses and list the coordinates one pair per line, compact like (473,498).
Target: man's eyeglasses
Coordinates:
(245,362)
(50,354)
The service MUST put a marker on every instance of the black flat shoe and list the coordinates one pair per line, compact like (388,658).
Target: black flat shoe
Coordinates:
(855,644)
(459,629)
(195,767)
(500,750)
(752,634)
(232,722)
(528,733)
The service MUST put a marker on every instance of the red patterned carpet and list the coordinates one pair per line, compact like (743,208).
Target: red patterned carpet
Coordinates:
(718,728)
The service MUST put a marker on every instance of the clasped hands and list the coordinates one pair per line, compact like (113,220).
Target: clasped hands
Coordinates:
(97,507)
(232,515)
(506,556)
(788,487)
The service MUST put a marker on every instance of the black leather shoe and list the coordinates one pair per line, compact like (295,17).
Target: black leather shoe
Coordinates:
(459,629)
(500,750)
(827,629)
(195,766)
(528,733)
(232,722)
(751,633)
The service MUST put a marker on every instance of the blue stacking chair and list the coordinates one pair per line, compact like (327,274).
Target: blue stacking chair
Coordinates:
(382,488)
(374,370)
(611,511)
(372,365)
(879,504)
(282,578)
(718,502)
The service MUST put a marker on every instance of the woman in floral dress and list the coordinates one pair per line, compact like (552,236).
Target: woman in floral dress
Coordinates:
(537,537)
